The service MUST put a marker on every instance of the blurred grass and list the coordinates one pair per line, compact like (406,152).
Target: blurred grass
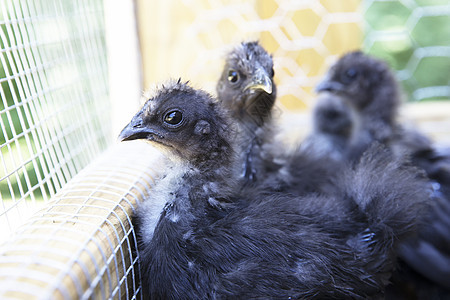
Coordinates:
(20,169)
(415,41)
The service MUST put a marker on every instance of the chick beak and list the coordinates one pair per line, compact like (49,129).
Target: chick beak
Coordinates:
(329,85)
(260,81)
(136,131)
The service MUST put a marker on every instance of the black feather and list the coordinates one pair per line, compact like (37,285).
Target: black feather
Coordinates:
(201,237)
(370,88)
(333,125)
(246,88)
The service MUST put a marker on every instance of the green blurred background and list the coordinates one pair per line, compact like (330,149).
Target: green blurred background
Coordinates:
(414,38)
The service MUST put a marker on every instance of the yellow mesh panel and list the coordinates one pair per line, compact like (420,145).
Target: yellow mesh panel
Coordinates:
(189,39)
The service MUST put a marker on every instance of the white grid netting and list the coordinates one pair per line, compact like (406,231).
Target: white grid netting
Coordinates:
(305,38)
(54,99)
(55,119)
(82,245)
(414,37)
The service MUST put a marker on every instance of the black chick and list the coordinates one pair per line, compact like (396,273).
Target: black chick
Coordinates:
(369,86)
(333,123)
(199,238)
(313,166)
(246,88)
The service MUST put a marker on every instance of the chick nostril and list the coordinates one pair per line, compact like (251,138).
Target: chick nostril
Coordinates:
(137,125)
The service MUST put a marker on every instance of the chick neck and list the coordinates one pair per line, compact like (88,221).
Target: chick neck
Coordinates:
(193,194)
(207,179)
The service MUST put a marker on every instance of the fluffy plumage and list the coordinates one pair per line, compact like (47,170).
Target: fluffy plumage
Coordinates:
(333,122)
(246,88)
(369,86)
(210,240)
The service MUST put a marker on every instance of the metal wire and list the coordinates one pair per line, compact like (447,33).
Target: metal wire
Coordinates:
(402,37)
(55,112)
(305,38)
(82,245)
(55,120)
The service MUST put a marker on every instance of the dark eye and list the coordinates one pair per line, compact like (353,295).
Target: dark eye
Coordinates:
(350,75)
(173,117)
(233,76)
(272,73)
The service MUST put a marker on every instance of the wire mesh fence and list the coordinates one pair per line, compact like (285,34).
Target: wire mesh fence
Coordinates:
(54,99)
(82,245)
(305,37)
(413,36)
(55,111)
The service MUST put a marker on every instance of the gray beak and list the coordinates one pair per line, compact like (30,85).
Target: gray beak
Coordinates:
(260,81)
(330,86)
(136,131)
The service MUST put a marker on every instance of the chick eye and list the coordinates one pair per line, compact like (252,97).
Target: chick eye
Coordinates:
(233,76)
(272,73)
(350,75)
(173,117)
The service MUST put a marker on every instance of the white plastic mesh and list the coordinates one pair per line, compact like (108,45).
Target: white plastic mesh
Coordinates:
(55,117)
(414,37)
(82,244)
(54,99)
(305,37)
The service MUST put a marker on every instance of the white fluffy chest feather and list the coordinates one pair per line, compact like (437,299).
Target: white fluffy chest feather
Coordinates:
(162,194)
